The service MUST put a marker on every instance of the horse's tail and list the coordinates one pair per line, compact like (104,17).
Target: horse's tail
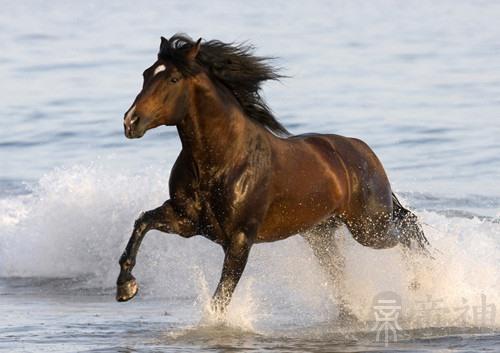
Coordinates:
(409,229)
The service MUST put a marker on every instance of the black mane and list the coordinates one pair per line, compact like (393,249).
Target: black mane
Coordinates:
(233,65)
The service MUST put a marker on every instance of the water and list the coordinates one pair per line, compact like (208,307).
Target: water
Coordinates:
(418,81)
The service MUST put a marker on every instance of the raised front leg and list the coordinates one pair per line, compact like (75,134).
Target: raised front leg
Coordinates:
(236,256)
(165,219)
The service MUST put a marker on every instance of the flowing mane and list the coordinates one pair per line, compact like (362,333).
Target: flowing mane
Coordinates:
(264,189)
(233,65)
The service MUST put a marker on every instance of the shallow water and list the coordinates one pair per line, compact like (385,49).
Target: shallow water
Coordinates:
(419,82)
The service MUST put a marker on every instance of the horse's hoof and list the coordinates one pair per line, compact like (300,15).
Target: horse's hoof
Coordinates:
(126,290)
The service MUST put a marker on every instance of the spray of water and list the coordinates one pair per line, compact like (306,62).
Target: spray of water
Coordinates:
(76,222)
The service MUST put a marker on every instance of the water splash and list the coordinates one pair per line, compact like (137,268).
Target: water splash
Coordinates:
(76,221)
(240,314)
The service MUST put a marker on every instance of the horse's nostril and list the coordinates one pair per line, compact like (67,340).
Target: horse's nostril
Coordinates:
(135,120)
(131,123)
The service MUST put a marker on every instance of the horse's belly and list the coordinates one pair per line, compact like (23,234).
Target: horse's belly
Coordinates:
(286,218)
(309,185)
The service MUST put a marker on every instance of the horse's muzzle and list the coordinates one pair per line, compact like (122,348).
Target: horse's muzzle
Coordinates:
(131,126)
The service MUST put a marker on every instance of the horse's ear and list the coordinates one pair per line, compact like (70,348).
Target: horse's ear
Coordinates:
(163,43)
(193,51)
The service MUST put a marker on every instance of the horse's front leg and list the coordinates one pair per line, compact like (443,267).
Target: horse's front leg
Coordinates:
(163,218)
(236,256)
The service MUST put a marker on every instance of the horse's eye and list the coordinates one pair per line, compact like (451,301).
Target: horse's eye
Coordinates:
(174,80)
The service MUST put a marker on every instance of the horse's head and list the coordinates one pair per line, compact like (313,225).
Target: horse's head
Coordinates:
(164,97)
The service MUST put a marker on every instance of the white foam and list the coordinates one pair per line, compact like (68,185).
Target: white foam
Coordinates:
(77,221)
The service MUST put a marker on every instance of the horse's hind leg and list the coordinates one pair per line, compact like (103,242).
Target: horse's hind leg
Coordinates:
(375,231)
(326,247)
(386,230)
(413,240)
(387,227)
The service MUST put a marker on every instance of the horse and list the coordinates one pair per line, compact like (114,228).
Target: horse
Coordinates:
(242,178)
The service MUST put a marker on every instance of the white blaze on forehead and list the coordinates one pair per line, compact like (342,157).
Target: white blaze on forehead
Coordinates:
(159,69)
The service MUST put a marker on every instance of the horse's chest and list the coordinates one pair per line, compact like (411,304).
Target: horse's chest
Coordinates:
(217,204)
(211,217)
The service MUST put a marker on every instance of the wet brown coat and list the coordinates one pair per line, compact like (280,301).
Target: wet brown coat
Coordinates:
(237,183)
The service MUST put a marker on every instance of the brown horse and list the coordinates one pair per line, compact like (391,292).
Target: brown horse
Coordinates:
(242,179)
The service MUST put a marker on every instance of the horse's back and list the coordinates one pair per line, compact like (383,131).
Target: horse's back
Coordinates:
(356,156)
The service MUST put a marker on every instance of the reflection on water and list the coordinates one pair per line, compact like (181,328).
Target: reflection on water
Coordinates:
(63,322)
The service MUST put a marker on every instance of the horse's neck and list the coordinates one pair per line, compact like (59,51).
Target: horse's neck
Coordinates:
(215,128)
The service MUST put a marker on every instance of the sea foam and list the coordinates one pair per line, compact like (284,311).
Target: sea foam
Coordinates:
(76,221)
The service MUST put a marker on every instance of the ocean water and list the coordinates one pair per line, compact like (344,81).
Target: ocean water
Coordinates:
(418,81)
